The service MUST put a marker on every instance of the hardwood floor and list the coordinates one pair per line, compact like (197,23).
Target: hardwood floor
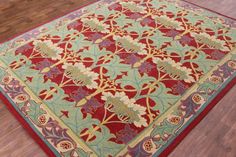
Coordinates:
(18,16)
(225,7)
(215,136)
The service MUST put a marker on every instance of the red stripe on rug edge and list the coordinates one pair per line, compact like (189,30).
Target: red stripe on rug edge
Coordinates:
(26,126)
(47,21)
(210,10)
(198,119)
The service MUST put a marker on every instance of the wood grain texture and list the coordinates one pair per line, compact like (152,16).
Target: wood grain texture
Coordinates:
(18,16)
(225,7)
(215,136)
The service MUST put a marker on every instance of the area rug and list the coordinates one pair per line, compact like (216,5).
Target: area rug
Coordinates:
(118,78)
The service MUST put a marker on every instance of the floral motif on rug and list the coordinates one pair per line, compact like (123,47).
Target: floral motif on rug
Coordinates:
(118,78)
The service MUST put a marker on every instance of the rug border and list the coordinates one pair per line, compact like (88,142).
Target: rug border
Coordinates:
(170,147)
(198,119)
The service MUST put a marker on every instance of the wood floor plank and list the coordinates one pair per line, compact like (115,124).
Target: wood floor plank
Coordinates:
(215,136)
(225,7)
(17,143)
(18,16)
(8,124)
(1,106)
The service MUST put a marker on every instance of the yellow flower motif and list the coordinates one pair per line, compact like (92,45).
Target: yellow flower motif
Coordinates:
(174,120)
(168,22)
(215,79)
(211,41)
(96,25)
(65,145)
(175,70)
(126,109)
(149,146)
(48,50)
(43,119)
(133,7)
(6,79)
(198,99)
(81,75)
(21,98)
(232,64)
(131,44)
